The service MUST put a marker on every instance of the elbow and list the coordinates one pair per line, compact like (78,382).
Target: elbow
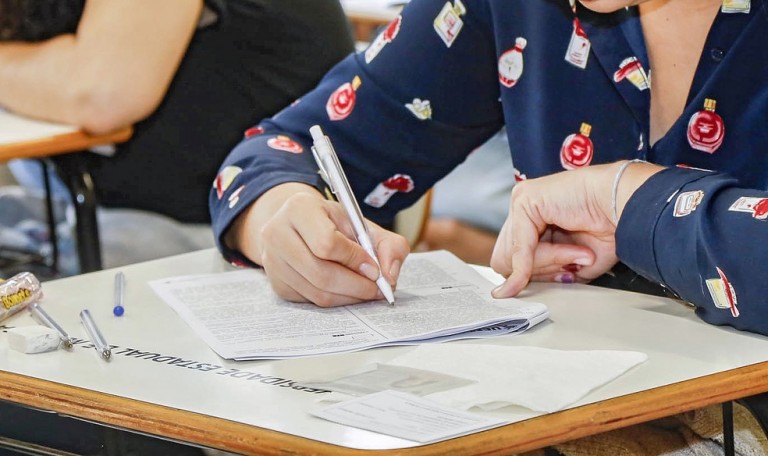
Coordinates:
(104,111)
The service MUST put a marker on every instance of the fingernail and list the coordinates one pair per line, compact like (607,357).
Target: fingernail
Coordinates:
(573,267)
(370,271)
(565,277)
(584,261)
(394,270)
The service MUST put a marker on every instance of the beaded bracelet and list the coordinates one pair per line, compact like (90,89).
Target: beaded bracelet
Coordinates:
(616,180)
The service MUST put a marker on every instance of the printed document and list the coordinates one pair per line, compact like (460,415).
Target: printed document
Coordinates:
(438,298)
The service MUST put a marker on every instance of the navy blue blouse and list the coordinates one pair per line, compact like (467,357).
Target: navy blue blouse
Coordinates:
(572,88)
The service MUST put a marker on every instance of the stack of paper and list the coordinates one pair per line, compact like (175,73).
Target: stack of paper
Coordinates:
(438,298)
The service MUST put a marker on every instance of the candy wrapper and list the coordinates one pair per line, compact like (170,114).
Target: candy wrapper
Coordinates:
(18,292)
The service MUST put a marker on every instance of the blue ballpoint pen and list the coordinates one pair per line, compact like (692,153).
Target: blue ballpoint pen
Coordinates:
(119,310)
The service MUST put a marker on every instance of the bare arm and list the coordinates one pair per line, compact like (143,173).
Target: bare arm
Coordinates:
(112,72)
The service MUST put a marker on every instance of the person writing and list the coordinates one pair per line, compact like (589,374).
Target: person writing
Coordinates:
(604,82)
(190,76)
(582,88)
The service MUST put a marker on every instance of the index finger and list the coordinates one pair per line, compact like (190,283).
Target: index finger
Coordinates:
(522,239)
(332,238)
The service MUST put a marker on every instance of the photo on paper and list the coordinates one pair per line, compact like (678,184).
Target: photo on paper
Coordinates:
(386,377)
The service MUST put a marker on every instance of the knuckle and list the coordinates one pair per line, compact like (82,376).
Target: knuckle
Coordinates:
(325,246)
(321,281)
(501,266)
(404,246)
(323,299)
(283,291)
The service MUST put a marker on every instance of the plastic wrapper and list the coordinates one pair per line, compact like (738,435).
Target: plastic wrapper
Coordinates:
(18,292)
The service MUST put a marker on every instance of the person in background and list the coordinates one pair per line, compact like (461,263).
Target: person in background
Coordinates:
(190,76)
(576,84)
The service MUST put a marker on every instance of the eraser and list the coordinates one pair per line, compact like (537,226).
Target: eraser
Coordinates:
(33,339)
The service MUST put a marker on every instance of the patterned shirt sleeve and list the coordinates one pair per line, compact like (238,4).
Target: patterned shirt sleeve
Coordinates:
(399,115)
(695,232)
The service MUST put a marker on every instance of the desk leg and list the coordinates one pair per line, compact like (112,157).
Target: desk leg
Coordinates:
(73,171)
(728,445)
(53,235)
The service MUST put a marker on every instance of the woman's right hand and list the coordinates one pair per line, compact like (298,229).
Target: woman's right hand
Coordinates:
(308,250)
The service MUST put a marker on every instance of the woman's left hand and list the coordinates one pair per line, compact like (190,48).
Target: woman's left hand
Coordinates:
(561,227)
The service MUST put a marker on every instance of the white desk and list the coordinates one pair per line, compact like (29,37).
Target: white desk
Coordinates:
(164,380)
(21,137)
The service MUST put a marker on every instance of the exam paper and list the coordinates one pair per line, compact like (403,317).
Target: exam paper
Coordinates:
(406,416)
(439,298)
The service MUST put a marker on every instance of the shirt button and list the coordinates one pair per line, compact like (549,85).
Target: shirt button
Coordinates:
(717,54)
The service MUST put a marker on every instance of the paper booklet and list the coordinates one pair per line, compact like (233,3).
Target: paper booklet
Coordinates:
(438,298)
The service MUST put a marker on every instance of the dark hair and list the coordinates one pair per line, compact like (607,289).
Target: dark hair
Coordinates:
(37,20)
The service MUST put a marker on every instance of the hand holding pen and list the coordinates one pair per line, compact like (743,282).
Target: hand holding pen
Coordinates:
(334,175)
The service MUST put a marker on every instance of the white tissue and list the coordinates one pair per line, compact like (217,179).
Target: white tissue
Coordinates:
(539,379)
(33,339)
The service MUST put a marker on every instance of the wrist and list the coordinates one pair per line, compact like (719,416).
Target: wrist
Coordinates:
(630,175)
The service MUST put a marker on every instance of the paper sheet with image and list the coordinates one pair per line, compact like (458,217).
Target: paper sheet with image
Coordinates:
(406,416)
(439,297)
(488,377)
(540,379)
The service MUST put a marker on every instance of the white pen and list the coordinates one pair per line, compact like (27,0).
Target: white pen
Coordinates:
(101,345)
(42,316)
(329,165)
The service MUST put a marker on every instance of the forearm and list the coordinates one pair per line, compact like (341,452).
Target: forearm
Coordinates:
(114,71)
(41,79)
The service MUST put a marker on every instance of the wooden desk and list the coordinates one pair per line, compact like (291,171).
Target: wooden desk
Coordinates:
(43,140)
(163,380)
(366,16)
(60,144)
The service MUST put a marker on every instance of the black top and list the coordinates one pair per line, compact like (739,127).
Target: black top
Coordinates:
(258,57)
